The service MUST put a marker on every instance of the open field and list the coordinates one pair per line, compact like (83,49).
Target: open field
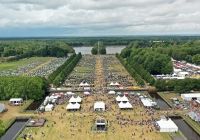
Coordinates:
(134,124)
(77,125)
(20,63)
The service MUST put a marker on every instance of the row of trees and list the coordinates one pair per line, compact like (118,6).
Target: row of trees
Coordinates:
(66,69)
(132,71)
(53,75)
(29,48)
(180,86)
(98,48)
(21,86)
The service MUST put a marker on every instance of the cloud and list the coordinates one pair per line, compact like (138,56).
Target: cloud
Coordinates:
(100,16)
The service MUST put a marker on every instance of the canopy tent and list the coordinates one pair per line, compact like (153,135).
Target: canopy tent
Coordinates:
(75,100)
(99,106)
(190,96)
(167,125)
(86,93)
(72,106)
(2,108)
(125,105)
(148,102)
(114,84)
(49,107)
(122,99)
(111,92)
(69,93)
(84,84)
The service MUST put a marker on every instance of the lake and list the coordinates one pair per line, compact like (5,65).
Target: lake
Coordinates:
(109,49)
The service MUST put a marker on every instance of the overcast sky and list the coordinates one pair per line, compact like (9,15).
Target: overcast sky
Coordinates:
(98,17)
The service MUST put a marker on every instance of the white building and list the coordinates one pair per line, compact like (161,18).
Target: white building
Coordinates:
(167,125)
(190,96)
(99,106)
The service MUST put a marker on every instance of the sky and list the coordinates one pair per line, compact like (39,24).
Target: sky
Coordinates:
(35,18)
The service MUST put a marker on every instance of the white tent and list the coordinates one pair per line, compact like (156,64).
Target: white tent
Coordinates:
(190,96)
(148,102)
(125,105)
(16,101)
(82,84)
(87,93)
(70,93)
(167,125)
(111,92)
(75,100)
(71,106)
(99,106)
(122,99)
(112,84)
(116,84)
(49,107)
(2,108)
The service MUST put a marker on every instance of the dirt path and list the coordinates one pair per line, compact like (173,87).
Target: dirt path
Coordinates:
(99,75)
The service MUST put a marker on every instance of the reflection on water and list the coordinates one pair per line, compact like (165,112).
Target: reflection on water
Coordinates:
(161,103)
(109,49)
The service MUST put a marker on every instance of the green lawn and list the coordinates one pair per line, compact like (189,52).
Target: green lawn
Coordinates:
(22,62)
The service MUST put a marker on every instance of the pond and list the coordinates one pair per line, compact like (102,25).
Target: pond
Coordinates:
(109,49)
(187,131)
(14,129)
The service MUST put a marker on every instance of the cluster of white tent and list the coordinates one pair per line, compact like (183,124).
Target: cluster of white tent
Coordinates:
(74,103)
(123,102)
(167,125)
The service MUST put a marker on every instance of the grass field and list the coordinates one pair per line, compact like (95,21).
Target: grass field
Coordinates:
(64,125)
(22,62)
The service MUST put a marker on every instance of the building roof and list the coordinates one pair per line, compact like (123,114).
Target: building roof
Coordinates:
(111,92)
(190,95)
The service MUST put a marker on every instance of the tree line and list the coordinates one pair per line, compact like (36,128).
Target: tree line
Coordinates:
(22,86)
(98,48)
(180,86)
(59,76)
(21,49)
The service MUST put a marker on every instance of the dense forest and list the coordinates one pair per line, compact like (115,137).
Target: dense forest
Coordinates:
(98,48)
(29,48)
(24,87)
